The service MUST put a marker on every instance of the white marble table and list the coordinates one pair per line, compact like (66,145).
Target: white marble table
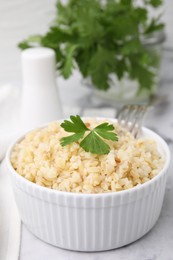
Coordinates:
(16,24)
(158,243)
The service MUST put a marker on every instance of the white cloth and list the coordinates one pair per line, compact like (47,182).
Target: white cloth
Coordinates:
(10,224)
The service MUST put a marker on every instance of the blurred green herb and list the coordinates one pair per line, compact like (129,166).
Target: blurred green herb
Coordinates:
(93,142)
(102,39)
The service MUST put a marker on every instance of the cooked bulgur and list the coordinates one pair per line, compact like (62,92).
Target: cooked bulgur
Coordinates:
(40,158)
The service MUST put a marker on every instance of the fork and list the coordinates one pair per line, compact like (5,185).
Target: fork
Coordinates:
(131,117)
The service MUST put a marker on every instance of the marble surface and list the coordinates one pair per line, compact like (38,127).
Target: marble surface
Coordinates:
(16,23)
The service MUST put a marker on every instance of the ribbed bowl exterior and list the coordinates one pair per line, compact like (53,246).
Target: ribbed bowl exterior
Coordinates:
(89,222)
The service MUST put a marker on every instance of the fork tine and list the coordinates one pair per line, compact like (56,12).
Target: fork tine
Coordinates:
(138,115)
(136,129)
(131,116)
(132,120)
(122,113)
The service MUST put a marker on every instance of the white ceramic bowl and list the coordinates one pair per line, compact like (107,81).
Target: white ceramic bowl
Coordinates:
(91,222)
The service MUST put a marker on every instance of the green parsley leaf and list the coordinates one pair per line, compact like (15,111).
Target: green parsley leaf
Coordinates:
(71,139)
(93,142)
(76,126)
(104,131)
(101,64)
(154,26)
(69,62)
(154,3)
(32,41)
(144,75)
(132,46)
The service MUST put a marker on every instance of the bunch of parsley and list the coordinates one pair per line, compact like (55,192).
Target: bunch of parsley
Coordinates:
(101,39)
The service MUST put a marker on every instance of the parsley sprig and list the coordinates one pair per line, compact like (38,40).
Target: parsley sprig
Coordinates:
(103,38)
(93,142)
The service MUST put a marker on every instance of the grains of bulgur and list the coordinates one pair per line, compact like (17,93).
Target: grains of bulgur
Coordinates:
(40,158)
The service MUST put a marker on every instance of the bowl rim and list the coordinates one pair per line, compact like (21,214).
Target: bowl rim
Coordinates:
(89,195)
